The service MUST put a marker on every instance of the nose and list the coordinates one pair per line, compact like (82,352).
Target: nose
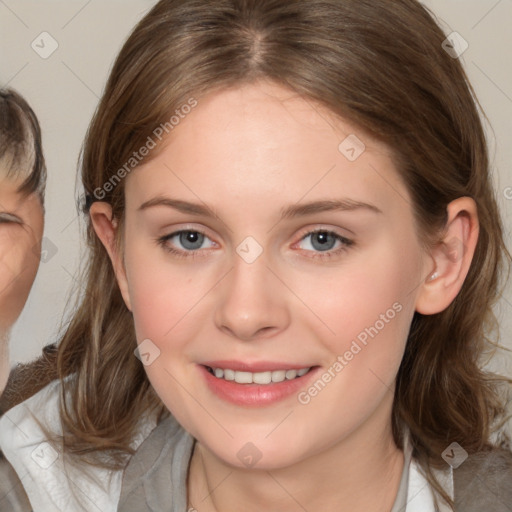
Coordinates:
(253,302)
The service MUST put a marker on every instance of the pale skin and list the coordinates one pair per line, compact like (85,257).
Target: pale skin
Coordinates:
(248,153)
(21,232)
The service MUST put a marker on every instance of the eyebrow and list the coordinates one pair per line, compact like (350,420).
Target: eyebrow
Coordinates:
(295,210)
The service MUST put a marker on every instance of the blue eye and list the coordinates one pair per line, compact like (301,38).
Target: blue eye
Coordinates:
(191,241)
(323,242)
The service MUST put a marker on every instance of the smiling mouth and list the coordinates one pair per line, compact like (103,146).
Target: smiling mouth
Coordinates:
(268,377)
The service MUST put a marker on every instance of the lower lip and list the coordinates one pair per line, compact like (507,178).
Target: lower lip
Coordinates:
(255,395)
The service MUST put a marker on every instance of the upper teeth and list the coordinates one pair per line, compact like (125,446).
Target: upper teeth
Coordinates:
(259,377)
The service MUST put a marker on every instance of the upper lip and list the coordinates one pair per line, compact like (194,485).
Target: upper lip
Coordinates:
(257,366)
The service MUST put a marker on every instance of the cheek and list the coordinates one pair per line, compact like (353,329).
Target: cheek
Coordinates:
(368,309)
(163,297)
(369,312)
(367,292)
(7,278)
(18,268)
(162,294)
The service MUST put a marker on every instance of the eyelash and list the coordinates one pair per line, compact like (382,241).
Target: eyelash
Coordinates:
(162,241)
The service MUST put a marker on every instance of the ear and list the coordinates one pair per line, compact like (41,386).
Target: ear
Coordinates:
(451,258)
(106,227)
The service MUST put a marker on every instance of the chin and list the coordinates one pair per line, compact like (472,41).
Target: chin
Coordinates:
(255,455)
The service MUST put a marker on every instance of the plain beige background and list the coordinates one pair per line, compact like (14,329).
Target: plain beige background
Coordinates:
(64,89)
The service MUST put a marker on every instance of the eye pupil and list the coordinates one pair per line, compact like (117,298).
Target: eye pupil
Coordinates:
(325,240)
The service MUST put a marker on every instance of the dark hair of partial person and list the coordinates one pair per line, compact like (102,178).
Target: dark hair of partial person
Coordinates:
(21,150)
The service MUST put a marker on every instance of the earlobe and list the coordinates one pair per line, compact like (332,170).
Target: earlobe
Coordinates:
(452,258)
(106,227)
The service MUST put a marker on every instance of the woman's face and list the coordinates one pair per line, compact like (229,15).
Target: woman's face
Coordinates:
(251,289)
(21,231)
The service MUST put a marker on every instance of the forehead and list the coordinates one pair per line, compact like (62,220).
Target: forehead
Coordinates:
(9,187)
(12,201)
(265,142)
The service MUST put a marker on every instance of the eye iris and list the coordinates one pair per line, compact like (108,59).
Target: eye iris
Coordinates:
(191,237)
(326,240)
(321,240)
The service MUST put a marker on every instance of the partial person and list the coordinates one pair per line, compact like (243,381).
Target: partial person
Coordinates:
(22,187)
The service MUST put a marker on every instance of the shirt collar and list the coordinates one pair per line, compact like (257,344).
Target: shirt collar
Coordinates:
(415,493)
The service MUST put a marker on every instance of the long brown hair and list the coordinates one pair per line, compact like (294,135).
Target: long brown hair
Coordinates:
(379,64)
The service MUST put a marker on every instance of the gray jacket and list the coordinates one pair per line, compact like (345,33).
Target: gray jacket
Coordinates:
(12,496)
(155,478)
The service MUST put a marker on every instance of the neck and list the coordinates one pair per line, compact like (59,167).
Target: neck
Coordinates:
(360,472)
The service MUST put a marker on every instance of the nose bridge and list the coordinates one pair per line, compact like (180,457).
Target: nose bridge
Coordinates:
(252,301)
